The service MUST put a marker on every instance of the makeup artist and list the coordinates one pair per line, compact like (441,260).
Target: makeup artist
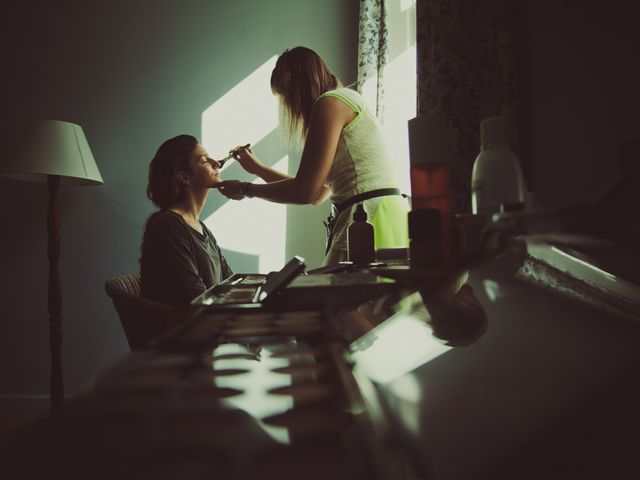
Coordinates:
(180,257)
(344,156)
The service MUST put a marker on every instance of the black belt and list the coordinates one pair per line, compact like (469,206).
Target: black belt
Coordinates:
(337,209)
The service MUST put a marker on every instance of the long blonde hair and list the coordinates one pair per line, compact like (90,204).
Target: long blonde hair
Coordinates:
(299,78)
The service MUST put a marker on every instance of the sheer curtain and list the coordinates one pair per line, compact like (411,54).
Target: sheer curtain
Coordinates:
(466,72)
(373,52)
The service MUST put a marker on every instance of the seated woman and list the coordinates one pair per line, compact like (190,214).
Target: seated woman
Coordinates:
(180,257)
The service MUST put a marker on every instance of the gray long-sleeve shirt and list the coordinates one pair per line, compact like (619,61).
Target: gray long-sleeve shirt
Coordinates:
(178,263)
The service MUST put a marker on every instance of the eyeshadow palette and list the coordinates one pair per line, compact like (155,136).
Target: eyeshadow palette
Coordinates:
(250,289)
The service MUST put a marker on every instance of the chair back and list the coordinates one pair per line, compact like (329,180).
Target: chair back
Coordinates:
(142,319)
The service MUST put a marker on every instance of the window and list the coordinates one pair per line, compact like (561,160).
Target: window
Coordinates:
(400,89)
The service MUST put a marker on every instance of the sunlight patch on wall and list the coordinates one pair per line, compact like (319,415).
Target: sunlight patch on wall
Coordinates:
(253,226)
(247,114)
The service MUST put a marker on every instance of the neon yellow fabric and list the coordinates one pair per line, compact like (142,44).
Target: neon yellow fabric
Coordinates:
(390,223)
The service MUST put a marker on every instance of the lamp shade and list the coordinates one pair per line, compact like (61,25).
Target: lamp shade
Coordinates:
(53,147)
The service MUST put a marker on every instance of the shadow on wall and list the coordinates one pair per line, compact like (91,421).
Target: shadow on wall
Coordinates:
(615,215)
(580,95)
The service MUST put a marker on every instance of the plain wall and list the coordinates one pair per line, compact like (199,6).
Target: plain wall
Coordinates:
(132,74)
(580,99)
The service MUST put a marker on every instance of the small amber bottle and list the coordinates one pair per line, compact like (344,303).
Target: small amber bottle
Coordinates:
(360,238)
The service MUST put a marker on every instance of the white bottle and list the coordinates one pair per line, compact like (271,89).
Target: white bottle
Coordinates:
(497,183)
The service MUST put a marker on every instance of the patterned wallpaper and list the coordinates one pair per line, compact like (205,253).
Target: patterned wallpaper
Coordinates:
(466,72)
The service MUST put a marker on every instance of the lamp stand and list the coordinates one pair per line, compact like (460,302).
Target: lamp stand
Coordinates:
(56,386)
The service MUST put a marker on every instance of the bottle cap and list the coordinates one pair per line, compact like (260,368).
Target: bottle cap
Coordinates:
(360,215)
(428,140)
(494,131)
(424,224)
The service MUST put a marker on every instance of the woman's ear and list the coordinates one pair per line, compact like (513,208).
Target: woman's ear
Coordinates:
(183,178)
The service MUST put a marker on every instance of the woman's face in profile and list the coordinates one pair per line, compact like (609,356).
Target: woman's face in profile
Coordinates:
(205,171)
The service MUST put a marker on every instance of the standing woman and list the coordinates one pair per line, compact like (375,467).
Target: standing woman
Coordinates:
(344,155)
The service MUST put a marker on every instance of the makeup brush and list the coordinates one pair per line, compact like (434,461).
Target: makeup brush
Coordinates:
(231,154)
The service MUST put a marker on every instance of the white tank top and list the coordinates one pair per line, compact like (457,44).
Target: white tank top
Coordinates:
(362,162)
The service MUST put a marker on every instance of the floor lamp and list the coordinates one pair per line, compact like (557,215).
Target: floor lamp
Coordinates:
(57,153)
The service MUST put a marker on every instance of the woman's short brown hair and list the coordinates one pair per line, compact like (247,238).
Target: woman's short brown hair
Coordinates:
(173,156)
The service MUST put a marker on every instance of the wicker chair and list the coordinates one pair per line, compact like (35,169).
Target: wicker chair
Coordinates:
(142,320)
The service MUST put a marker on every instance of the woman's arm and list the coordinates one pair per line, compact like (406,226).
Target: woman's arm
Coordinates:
(248,160)
(328,117)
